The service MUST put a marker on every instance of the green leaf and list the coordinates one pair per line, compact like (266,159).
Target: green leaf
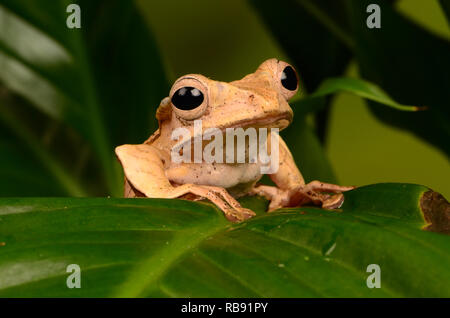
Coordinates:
(316,101)
(302,28)
(360,88)
(411,64)
(102,82)
(175,248)
(445,4)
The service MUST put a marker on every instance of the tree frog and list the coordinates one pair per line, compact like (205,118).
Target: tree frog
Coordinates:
(258,100)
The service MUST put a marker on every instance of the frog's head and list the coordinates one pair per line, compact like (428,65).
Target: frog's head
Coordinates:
(258,100)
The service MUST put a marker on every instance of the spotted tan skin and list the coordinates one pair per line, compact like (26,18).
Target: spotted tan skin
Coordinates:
(258,100)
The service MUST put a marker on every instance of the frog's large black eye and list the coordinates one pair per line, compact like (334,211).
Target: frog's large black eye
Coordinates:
(289,78)
(187,98)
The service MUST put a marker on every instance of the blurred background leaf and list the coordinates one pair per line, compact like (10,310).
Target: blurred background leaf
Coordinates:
(67,97)
(99,85)
(421,76)
(446,7)
(308,153)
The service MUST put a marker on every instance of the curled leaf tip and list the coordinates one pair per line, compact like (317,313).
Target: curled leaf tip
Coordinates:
(420,108)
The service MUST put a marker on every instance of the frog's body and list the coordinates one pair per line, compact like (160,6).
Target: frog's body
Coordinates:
(237,175)
(258,100)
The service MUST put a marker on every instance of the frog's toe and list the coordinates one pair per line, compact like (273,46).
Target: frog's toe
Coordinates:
(239,214)
(333,202)
(247,213)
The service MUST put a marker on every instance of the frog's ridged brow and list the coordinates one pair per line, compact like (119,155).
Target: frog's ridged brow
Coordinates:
(197,77)
(220,87)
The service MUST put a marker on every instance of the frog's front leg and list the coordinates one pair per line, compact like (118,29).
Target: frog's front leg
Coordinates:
(291,189)
(144,170)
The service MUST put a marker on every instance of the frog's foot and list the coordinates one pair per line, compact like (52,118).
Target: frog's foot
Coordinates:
(318,193)
(326,187)
(145,176)
(220,197)
(313,193)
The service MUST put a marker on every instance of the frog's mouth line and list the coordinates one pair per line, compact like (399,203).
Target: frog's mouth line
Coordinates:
(270,121)
(281,121)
